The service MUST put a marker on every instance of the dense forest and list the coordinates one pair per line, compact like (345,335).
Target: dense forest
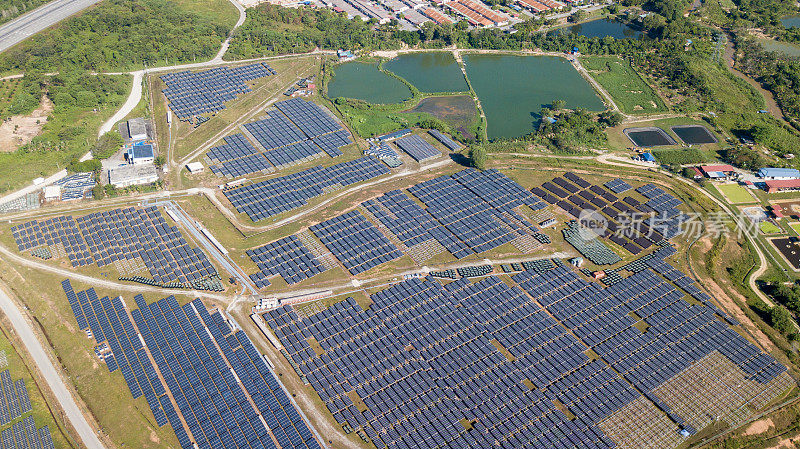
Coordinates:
(120,34)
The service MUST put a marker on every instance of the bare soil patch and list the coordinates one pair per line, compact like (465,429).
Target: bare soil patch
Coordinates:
(759,427)
(19,130)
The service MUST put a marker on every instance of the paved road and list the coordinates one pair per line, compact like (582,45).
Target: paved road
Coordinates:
(50,373)
(37,20)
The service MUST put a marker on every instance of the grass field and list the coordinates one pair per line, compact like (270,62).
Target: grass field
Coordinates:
(795,227)
(768,227)
(735,193)
(629,91)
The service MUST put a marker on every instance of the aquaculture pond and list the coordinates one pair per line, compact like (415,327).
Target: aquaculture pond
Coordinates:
(364,81)
(791,21)
(513,89)
(429,71)
(601,28)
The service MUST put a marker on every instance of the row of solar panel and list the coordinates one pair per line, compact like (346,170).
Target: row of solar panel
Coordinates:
(120,234)
(24,435)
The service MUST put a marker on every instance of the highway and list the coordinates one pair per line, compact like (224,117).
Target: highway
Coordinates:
(49,372)
(37,20)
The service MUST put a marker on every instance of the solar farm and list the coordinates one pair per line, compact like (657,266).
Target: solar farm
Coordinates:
(17,424)
(296,131)
(553,360)
(137,241)
(265,199)
(191,94)
(468,213)
(632,224)
(208,382)
(418,148)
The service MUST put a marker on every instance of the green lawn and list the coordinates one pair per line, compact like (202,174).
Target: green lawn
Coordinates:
(735,193)
(795,227)
(767,227)
(629,91)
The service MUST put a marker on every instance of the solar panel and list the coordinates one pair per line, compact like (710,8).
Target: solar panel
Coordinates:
(418,148)
(191,94)
(127,234)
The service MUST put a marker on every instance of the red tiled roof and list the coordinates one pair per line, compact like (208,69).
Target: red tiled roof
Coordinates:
(722,168)
(783,183)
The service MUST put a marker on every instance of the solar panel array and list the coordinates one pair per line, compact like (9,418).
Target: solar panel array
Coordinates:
(412,224)
(445,140)
(617,186)
(418,148)
(287,257)
(194,93)
(271,197)
(666,206)
(108,321)
(121,234)
(426,361)
(237,157)
(14,399)
(477,207)
(23,435)
(297,131)
(356,242)
(75,185)
(309,117)
(633,225)
(224,391)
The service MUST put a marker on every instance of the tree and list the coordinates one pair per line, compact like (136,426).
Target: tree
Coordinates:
(107,145)
(478,156)
(610,118)
(558,105)
(688,173)
(577,16)
(781,320)
(159,161)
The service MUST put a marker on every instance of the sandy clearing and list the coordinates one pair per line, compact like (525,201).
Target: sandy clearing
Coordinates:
(759,427)
(19,130)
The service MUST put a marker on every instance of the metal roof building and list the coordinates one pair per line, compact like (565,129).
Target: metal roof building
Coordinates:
(779,173)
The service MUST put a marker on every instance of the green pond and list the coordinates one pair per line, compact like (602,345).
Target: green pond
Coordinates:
(791,21)
(780,47)
(363,81)
(429,71)
(513,89)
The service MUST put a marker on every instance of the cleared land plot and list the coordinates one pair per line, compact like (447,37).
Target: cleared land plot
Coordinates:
(632,94)
(789,249)
(735,193)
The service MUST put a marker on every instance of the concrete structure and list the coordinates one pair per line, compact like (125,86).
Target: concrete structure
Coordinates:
(779,173)
(131,175)
(136,129)
(195,167)
(52,193)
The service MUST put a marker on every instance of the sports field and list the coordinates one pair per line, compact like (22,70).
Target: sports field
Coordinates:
(735,193)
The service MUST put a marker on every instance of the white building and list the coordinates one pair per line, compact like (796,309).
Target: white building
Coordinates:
(131,175)
(195,167)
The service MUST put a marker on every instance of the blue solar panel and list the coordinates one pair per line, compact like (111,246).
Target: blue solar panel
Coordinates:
(191,94)
(122,234)
(271,197)
(356,242)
